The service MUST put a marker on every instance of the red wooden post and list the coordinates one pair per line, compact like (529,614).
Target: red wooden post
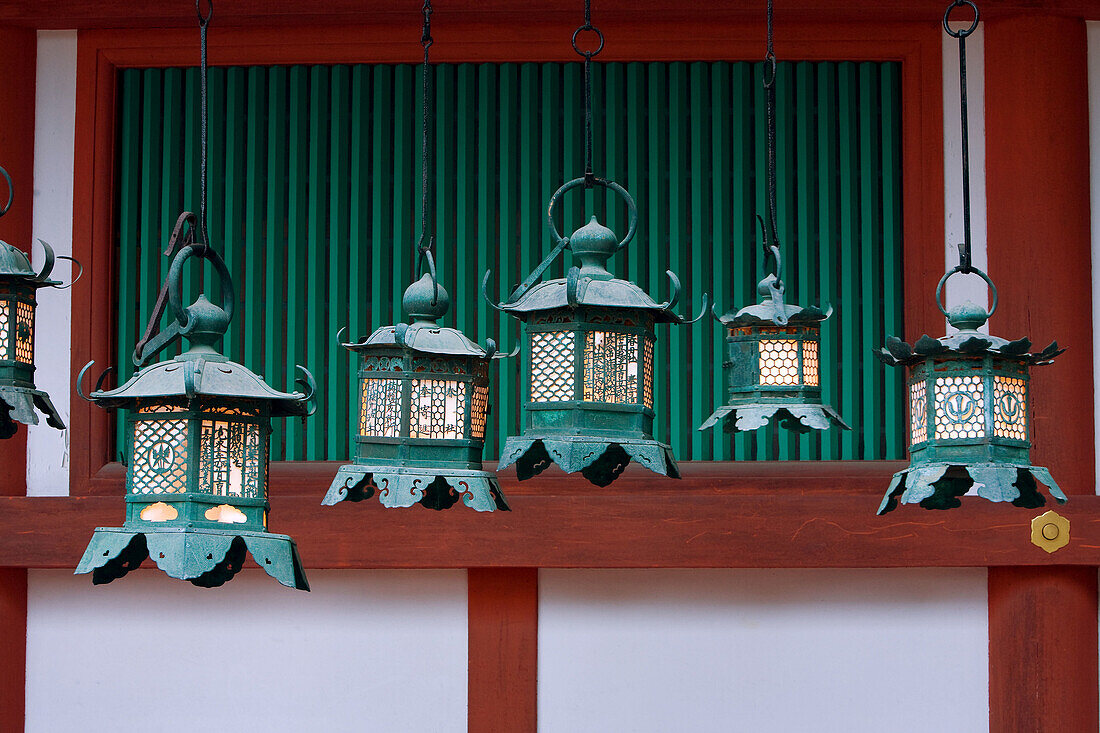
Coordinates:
(1043,621)
(17,58)
(503,610)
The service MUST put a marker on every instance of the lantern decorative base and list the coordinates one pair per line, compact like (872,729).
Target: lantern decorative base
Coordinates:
(404,486)
(17,405)
(600,462)
(799,417)
(939,485)
(206,557)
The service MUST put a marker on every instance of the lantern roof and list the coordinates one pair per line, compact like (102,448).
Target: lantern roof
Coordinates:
(967,341)
(14,264)
(426,301)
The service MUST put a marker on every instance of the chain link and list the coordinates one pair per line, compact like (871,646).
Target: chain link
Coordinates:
(589,174)
(965,260)
(426,41)
(204,20)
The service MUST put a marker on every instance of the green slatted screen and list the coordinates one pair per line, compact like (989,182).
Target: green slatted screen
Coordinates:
(314,175)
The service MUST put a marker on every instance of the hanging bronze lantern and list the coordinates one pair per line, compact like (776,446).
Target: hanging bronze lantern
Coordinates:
(774,364)
(423,391)
(423,407)
(774,359)
(969,414)
(197,441)
(18,298)
(969,405)
(590,339)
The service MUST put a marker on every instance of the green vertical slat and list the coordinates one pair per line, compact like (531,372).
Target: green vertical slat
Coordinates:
(530,222)
(235,128)
(466,168)
(699,246)
(828,232)
(575,206)
(317,238)
(550,147)
(189,156)
(252,289)
(148,283)
(636,166)
(656,211)
(490,200)
(744,213)
(382,200)
(339,244)
(129,217)
(848,127)
(216,185)
(870,256)
(445,151)
(785,213)
(763,441)
(171,192)
(806,245)
(506,403)
(721,241)
(298,186)
(406,203)
(894,414)
(360,281)
(276,310)
(679,399)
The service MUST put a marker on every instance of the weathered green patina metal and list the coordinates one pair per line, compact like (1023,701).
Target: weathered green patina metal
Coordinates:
(969,414)
(590,338)
(423,409)
(197,474)
(19,284)
(774,364)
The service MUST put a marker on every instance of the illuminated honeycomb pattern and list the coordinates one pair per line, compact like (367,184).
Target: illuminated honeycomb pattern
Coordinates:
(380,408)
(960,410)
(24,332)
(160,457)
(809,363)
(918,412)
(779,362)
(610,367)
(5,325)
(647,373)
(1009,408)
(438,409)
(231,459)
(552,366)
(478,411)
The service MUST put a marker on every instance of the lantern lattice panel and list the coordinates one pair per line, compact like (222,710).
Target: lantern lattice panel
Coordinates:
(552,366)
(960,408)
(24,332)
(779,362)
(918,412)
(159,457)
(5,326)
(810,370)
(479,409)
(1009,408)
(232,459)
(438,409)
(647,373)
(611,367)
(380,408)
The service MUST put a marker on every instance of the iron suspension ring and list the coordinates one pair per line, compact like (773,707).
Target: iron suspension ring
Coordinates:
(972,271)
(11,190)
(594,29)
(947,19)
(610,185)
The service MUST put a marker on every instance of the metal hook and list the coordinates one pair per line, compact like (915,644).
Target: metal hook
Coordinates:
(204,19)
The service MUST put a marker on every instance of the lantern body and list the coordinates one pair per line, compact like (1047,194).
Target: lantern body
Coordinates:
(590,340)
(969,418)
(18,395)
(774,369)
(197,474)
(422,413)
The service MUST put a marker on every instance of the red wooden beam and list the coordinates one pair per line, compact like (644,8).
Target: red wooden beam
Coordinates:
(503,650)
(1043,622)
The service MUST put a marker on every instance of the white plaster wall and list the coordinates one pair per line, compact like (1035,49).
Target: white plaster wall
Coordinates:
(366,651)
(961,288)
(763,651)
(55,120)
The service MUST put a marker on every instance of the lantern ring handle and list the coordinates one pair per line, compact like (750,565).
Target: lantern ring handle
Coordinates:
(11,190)
(175,276)
(966,271)
(610,185)
(963,33)
(594,29)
